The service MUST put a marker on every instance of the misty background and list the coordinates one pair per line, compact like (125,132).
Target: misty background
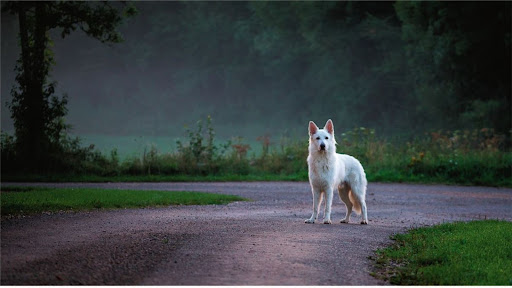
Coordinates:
(269,67)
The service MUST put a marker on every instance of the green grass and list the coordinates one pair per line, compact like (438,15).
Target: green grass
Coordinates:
(31,200)
(472,253)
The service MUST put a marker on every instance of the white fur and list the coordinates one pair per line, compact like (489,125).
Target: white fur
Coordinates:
(329,171)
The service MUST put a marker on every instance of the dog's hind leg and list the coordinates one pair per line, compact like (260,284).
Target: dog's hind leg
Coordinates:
(363,208)
(360,198)
(343,190)
(317,200)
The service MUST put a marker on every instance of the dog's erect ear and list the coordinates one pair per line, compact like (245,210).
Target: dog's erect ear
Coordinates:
(329,127)
(312,128)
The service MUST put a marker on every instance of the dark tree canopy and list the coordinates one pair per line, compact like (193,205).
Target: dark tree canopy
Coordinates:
(461,66)
(405,67)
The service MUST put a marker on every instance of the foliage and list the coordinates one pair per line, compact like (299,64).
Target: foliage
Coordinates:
(404,67)
(450,90)
(469,157)
(397,68)
(30,200)
(196,154)
(450,254)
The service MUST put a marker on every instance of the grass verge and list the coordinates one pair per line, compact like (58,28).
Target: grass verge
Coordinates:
(32,200)
(472,253)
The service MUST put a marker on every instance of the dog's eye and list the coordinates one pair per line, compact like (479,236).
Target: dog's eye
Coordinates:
(326,137)
(317,138)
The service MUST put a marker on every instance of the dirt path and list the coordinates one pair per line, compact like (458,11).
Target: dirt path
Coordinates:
(263,242)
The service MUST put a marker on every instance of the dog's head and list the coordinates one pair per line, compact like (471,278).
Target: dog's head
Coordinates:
(322,140)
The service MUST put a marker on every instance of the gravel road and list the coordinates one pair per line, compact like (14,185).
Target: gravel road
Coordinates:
(261,242)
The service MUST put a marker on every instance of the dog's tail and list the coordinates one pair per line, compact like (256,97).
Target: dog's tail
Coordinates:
(359,194)
(356,206)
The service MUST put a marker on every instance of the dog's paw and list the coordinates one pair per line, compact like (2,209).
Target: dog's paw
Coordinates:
(309,221)
(327,221)
(364,222)
(344,221)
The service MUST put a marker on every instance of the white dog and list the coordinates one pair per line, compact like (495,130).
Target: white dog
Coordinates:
(329,171)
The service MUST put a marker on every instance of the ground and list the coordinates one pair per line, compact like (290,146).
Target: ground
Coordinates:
(261,242)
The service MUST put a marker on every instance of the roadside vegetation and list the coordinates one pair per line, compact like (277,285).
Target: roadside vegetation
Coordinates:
(472,253)
(468,157)
(31,200)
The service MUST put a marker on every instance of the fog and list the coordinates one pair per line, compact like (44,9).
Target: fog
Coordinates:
(114,90)
(254,71)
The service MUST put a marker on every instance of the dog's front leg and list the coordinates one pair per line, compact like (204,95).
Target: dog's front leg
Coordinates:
(317,199)
(328,204)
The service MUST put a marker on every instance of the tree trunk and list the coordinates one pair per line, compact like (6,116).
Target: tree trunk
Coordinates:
(32,138)
(25,54)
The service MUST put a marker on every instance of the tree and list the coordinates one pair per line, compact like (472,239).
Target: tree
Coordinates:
(459,61)
(332,58)
(36,111)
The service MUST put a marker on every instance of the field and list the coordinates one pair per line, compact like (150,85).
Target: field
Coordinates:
(473,253)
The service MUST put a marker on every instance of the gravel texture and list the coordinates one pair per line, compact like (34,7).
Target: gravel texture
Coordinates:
(261,242)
